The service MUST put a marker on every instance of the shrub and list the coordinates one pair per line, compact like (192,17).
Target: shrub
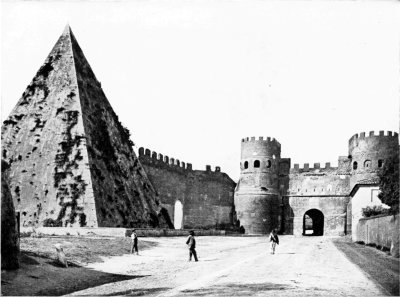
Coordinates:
(52,223)
(389,184)
(374,211)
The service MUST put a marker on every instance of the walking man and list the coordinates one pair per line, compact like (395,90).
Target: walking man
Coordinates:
(191,243)
(274,240)
(134,242)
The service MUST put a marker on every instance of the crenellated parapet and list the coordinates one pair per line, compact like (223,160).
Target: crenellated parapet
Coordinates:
(369,152)
(252,147)
(271,140)
(343,168)
(148,156)
(151,157)
(372,137)
(315,166)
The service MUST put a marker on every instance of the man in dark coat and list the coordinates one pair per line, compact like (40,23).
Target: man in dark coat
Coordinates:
(274,239)
(134,242)
(191,243)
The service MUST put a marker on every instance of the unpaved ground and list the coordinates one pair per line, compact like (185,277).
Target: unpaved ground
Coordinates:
(40,275)
(81,250)
(237,266)
(382,267)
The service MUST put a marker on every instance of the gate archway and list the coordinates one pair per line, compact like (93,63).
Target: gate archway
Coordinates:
(313,223)
(178,215)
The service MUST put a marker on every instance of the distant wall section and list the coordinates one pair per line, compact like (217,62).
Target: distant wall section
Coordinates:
(206,196)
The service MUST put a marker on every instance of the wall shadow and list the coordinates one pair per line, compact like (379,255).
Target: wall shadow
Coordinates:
(40,276)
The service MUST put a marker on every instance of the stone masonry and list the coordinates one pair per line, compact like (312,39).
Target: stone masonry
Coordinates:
(206,196)
(270,194)
(71,160)
(72,164)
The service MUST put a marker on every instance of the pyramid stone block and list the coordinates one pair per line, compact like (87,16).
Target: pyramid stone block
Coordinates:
(71,160)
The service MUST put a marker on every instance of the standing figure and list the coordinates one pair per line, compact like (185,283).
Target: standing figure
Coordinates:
(191,243)
(273,238)
(60,255)
(134,242)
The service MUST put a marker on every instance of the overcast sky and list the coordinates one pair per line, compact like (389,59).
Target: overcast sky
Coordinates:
(191,78)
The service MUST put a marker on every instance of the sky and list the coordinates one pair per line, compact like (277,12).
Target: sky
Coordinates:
(190,79)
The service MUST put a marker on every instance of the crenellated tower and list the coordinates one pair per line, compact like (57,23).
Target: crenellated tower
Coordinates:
(368,153)
(257,200)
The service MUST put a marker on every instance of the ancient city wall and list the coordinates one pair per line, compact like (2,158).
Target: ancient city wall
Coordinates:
(117,232)
(380,230)
(317,181)
(349,215)
(321,188)
(333,209)
(206,196)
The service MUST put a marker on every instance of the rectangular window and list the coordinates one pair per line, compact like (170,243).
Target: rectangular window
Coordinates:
(374,195)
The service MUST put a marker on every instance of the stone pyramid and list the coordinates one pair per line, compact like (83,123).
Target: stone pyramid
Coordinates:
(71,160)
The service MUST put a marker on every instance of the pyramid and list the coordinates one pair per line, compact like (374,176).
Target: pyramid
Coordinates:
(71,160)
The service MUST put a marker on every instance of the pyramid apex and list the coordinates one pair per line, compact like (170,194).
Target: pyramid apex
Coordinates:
(67,29)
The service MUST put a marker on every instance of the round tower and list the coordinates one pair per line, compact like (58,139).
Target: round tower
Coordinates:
(257,201)
(368,154)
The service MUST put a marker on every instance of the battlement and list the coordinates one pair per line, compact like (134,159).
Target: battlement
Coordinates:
(364,135)
(306,167)
(261,139)
(152,156)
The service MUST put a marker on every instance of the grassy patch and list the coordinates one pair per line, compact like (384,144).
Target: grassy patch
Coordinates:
(81,249)
(40,276)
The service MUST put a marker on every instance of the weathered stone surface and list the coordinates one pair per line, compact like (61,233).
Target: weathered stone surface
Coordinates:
(270,194)
(71,160)
(257,197)
(206,196)
(9,233)
(368,152)
(381,230)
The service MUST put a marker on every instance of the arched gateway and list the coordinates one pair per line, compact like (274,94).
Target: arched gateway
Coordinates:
(313,223)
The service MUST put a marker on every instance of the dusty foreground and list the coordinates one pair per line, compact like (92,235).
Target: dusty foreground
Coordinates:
(237,266)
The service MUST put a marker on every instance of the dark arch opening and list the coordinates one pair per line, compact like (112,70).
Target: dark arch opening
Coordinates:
(380,163)
(313,223)
(256,164)
(246,165)
(355,165)
(268,164)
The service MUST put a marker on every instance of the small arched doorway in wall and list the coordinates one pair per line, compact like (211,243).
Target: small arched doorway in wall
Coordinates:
(178,215)
(313,223)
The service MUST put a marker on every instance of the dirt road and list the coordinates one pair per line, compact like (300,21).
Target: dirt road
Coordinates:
(237,266)
(383,268)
